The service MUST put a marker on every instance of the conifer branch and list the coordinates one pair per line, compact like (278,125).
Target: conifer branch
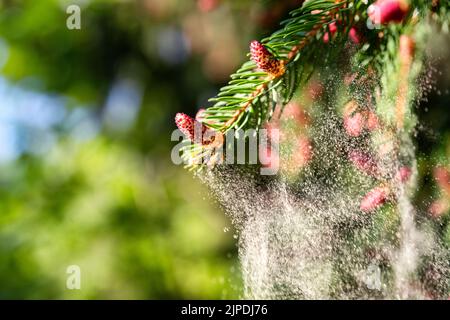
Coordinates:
(253,91)
(284,61)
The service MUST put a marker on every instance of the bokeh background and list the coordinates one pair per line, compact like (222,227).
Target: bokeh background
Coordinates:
(85,121)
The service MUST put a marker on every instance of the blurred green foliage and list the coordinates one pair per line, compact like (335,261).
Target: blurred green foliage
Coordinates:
(135,228)
(111,201)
